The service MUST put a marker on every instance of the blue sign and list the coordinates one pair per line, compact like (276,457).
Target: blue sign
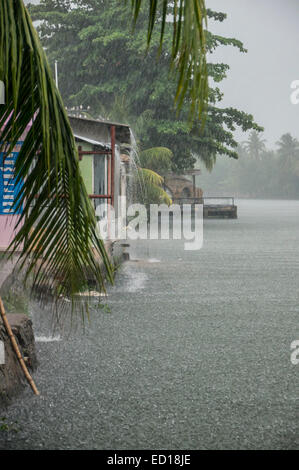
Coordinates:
(9,189)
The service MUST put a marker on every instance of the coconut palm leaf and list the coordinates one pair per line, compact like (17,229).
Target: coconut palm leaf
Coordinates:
(57,228)
(150,177)
(152,183)
(157,159)
(188,55)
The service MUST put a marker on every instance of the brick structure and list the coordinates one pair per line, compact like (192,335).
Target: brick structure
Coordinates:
(181,187)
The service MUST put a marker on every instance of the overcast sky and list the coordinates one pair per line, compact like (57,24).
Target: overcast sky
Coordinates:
(259,81)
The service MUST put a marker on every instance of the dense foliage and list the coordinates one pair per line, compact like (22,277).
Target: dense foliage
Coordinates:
(102,64)
(154,163)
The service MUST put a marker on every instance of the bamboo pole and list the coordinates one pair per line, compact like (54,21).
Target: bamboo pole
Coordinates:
(16,348)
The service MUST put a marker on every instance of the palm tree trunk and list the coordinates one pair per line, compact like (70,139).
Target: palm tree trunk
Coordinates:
(16,348)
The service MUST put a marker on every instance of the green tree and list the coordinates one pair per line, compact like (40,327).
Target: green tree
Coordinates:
(288,150)
(288,165)
(255,145)
(103,65)
(274,174)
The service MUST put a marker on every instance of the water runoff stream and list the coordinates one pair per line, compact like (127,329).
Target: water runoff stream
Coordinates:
(193,351)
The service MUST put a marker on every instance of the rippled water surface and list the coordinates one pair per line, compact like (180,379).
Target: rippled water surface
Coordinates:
(194,353)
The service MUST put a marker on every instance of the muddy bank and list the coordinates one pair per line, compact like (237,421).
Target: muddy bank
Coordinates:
(12,380)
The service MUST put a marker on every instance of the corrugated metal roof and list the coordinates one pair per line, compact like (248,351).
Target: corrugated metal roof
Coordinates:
(99,131)
(100,121)
(93,142)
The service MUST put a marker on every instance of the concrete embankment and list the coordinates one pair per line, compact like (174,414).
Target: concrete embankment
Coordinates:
(12,380)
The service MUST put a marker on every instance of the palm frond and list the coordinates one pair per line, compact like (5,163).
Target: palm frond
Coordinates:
(150,177)
(156,158)
(188,56)
(57,228)
(153,183)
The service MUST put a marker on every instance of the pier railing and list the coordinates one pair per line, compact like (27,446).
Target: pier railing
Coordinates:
(213,207)
(206,201)
(219,201)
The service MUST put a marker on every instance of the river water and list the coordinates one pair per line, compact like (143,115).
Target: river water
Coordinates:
(194,352)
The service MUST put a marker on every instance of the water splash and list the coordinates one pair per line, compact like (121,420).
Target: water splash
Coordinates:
(47,339)
(133,170)
(131,281)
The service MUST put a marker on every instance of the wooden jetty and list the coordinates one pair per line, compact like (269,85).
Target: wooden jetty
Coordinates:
(213,207)
(220,208)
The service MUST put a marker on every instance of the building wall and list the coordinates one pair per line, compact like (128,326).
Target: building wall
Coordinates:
(7,230)
(86,167)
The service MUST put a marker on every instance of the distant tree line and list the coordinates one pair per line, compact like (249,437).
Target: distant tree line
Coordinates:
(259,172)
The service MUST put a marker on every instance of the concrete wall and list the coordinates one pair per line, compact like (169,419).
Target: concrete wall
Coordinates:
(12,380)
(7,230)
(86,167)
(6,268)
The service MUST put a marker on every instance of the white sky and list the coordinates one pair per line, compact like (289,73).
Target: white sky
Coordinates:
(259,81)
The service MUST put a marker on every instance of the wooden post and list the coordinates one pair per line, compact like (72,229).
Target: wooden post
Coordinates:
(112,132)
(109,193)
(79,152)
